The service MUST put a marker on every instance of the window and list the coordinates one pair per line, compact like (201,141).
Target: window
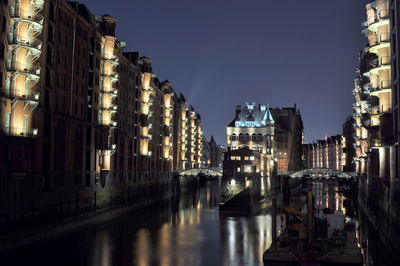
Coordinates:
(26,117)
(8,122)
(248,169)
(257,148)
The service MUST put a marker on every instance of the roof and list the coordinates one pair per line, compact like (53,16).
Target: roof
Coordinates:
(252,115)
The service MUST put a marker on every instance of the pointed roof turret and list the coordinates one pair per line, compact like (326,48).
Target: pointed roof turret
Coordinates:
(212,139)
(268,116)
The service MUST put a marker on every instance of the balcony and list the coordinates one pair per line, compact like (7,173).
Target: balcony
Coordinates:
(113,76)
(384,86)
(113,92)
(33,44)
(377,111)
(383,63)
(20,132)
(383,41)
(381,18)
(31,17)
(25,95)
(108,123)
(109,108)
(114,60)
(370,123)
(27,69)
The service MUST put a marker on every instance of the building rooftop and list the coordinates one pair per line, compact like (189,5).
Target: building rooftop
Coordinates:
(252,115)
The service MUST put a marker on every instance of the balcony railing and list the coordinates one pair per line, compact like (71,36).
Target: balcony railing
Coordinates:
(381,109)
(26,15)
(382,85)
(381,14)
(379,64)
(33,69)
(109,108)
(27,95)
(114,60)
(113,92)
(20,132)
(34,42)
(109,123)
(113,76)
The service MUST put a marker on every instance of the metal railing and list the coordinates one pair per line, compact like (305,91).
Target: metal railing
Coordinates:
(34,42)
(33,68)
(30,95)
(110,108)
(20,132)
(381,14)
(381,85)
(109,123)
(112,91)
(380,109)
(26,15)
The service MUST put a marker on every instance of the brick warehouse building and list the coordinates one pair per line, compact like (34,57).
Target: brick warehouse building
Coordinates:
(84,124)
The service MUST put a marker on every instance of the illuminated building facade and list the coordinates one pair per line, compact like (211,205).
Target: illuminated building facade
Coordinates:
(378,183)
(84,125)
(253,127)
(213,154)
(289,138)
(329,153)
(375,121)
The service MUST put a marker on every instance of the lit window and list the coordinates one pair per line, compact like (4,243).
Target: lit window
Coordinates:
(233,158)
(248,169)
(251,158)
(238,169)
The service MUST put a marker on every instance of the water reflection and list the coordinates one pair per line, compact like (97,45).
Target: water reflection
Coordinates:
(184,231)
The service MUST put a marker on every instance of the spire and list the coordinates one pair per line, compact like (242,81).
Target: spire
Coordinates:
(212,139)
(268,116)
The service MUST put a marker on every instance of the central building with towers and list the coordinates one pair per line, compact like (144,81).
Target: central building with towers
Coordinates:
(251,134)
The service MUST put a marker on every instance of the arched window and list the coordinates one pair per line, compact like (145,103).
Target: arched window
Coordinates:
(254,137)
(240,137)
(246,137)
(233,137)
(257,148)
(260,138)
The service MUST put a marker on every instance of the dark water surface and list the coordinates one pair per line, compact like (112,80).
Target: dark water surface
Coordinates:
(184,231)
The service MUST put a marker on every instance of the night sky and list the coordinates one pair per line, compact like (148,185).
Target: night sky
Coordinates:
(221,53)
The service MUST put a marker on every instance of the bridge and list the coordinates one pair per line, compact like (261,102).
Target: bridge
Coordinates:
(322,173)
(211,172)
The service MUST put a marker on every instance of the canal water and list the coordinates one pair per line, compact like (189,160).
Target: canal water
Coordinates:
(188,230)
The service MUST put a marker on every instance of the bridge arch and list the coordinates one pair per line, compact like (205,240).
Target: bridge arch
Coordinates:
(322,172)
(197,171)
